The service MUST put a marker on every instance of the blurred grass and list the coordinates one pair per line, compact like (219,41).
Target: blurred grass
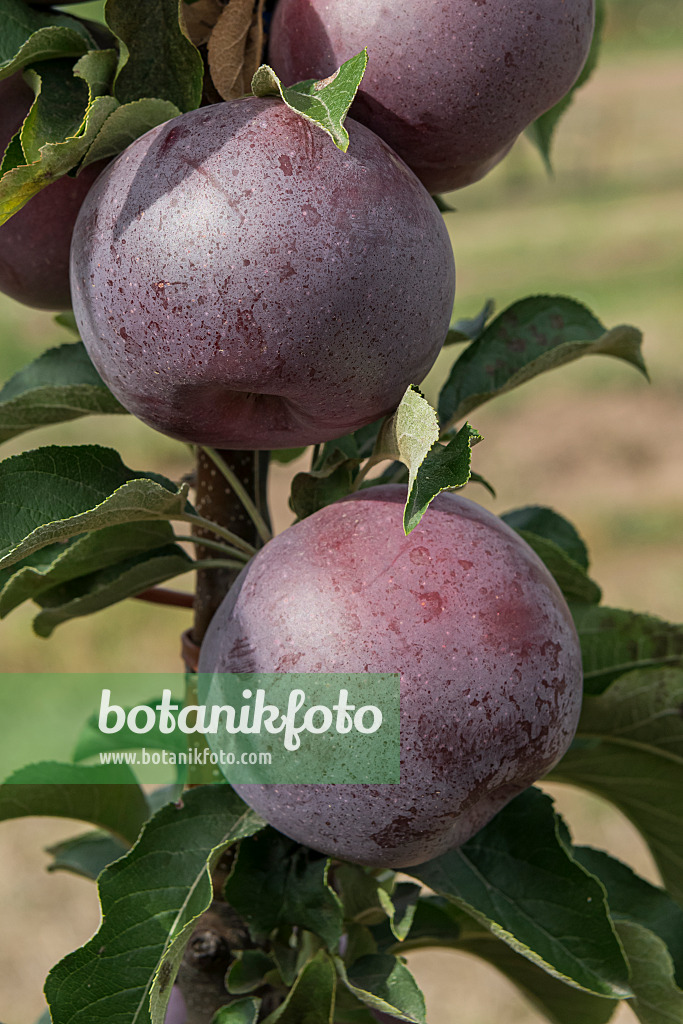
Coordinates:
(591,439)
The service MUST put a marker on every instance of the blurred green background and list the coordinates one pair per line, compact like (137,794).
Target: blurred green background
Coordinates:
(593,440)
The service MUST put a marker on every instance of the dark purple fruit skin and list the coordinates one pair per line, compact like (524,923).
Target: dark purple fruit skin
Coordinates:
(240,282)
(450,84)
(35,242)
(490,665)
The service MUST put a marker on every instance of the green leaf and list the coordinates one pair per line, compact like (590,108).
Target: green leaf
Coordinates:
(55,158)
(102,589)
(368,899)
(400,907)
(60,385)
(311,1000)
(542,130)
(658,999)
(72,791)
(58,109)
(276,882)
(383,983)
(544,522)
(438,923)
(54,493)
(633,899)
(326,102)
(468,329)
(285,455)
(127,123)
(242,1011)
(157,59)
(570,577)
(29,36)
(444,467)
(67,320)
(614,642)
(248,971)
(150,900)
(324,485)
(86,855)
(533,896)
(61,563)
(629,750)
(92,742)
(528,338)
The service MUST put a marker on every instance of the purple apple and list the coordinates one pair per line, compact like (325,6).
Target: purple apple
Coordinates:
(176,1011)
(240,282)
(450,84)
(465,611)
(35,242)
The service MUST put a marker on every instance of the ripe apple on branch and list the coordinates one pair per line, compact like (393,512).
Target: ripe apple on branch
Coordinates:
(261,274)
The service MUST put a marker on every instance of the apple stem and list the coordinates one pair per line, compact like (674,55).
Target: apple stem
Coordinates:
(241,492)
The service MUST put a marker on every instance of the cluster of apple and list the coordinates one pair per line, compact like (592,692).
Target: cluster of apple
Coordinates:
(240,282)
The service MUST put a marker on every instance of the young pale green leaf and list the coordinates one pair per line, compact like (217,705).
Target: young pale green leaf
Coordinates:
(534,896)
(543,128)
(631,898)
(544,522)
(242,1011)
(658,999)
(92,742)
(150,899)
(29,36)
(127,123)
(311,1000)
(61,563)
(60,385)
(629,750)
(469,328)
(106,796)
(614,642)
(444,467)
(326,102)
(528,338)
(20,183)
(409,434)
(382,982)
(86,855)
(109,586)
(275,882)
(157,59)
(440,924)
(570,577)
(52,494)
(321,486)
